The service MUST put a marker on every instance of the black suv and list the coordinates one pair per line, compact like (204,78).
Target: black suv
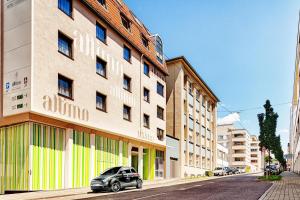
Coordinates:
(117,178)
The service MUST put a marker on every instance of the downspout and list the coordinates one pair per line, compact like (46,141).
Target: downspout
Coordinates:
(141,66)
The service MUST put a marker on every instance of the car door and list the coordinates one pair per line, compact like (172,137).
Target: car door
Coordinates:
(134,177)
(126,177)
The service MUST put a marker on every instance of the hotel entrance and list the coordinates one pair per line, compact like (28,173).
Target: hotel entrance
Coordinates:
(135,158)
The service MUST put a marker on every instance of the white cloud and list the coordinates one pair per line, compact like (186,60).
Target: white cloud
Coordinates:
(229,119)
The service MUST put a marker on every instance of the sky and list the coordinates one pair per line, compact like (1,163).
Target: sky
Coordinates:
(244,50)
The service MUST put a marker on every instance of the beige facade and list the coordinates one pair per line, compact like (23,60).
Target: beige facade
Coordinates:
(191,118)
(240,144)
(33,64)
(255,154)
(294,116)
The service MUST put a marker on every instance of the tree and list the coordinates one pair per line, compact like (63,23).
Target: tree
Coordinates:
(267,135)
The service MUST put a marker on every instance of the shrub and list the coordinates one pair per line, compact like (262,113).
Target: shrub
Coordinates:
(270,178)
(209,173)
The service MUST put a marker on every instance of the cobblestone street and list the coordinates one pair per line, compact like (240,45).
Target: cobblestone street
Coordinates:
(288,188)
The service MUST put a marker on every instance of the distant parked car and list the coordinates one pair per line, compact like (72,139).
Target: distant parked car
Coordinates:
(272,169)
(228,170)
(117,178)
(242,170)
(219,171)
(235,170)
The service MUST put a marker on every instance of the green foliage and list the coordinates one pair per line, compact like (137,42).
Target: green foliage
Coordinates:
(267,136)
(268,159)
(209,173)
(270,178)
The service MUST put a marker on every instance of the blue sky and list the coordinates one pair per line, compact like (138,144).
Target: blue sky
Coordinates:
(244,50)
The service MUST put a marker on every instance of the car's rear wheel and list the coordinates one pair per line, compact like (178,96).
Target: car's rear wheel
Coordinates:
(139,184)
(115,187)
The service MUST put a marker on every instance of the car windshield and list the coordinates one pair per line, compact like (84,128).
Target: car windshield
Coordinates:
(111,171)
(218,168)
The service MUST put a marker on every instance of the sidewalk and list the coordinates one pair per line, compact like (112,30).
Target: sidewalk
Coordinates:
(288,188)
(86,192)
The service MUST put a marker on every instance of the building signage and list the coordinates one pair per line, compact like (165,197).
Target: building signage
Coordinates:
(146,135)
(63,107)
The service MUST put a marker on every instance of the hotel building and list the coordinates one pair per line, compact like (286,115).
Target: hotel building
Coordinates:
(191,121)
(240,145)
(294,116)
(83,89)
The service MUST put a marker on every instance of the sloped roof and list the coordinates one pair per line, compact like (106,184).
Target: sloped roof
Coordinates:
(111,14)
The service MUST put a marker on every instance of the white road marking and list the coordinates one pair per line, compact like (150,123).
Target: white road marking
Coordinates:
(150,196)
(181,189)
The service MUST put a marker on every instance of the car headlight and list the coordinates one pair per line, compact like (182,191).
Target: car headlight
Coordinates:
(105,180)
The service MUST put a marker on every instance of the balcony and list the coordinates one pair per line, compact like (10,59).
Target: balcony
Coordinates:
(239,139)
(239,155)
(239,163)
(236,147)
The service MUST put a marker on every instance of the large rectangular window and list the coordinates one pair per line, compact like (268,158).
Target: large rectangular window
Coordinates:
(127,83)
(146,95)
(101,101)
(65,6)
(126,113)
(160,112)
(146,69)
(101,32)
(101,67)
(160,134)
(127,53)
(146,120)
(65,86)
(160,89)
(65,45)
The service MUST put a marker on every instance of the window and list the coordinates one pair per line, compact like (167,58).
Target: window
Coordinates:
(146,69)
(102,2)
(146,121)
(160,89)
(127,53)
(125,22)
(65,87)
(101,32)
(145,42)
(101,101)
(65,45)
(65,6)
(159,49)
(126,113)
(160,134)
(101,67)
(146,95)
(127,83)
(160,112)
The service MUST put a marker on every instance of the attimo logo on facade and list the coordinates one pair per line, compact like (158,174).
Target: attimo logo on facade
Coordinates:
(60,105)
(88,46)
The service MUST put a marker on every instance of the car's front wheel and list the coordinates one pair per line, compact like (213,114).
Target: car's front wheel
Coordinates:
(115,187)
(139,184)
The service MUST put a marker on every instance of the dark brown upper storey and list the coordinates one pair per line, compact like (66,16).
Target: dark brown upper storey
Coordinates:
(111,13)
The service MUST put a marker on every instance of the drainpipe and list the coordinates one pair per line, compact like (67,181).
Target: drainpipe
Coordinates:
(141,66)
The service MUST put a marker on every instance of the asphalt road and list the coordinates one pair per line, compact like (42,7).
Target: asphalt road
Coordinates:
(244,187)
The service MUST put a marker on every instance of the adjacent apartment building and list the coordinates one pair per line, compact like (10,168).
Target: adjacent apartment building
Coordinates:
(243,148)
(294,148)
(255,154)
(83,89)
(191,121)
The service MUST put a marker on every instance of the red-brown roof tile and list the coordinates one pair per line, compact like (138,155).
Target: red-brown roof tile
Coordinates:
(111,14)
